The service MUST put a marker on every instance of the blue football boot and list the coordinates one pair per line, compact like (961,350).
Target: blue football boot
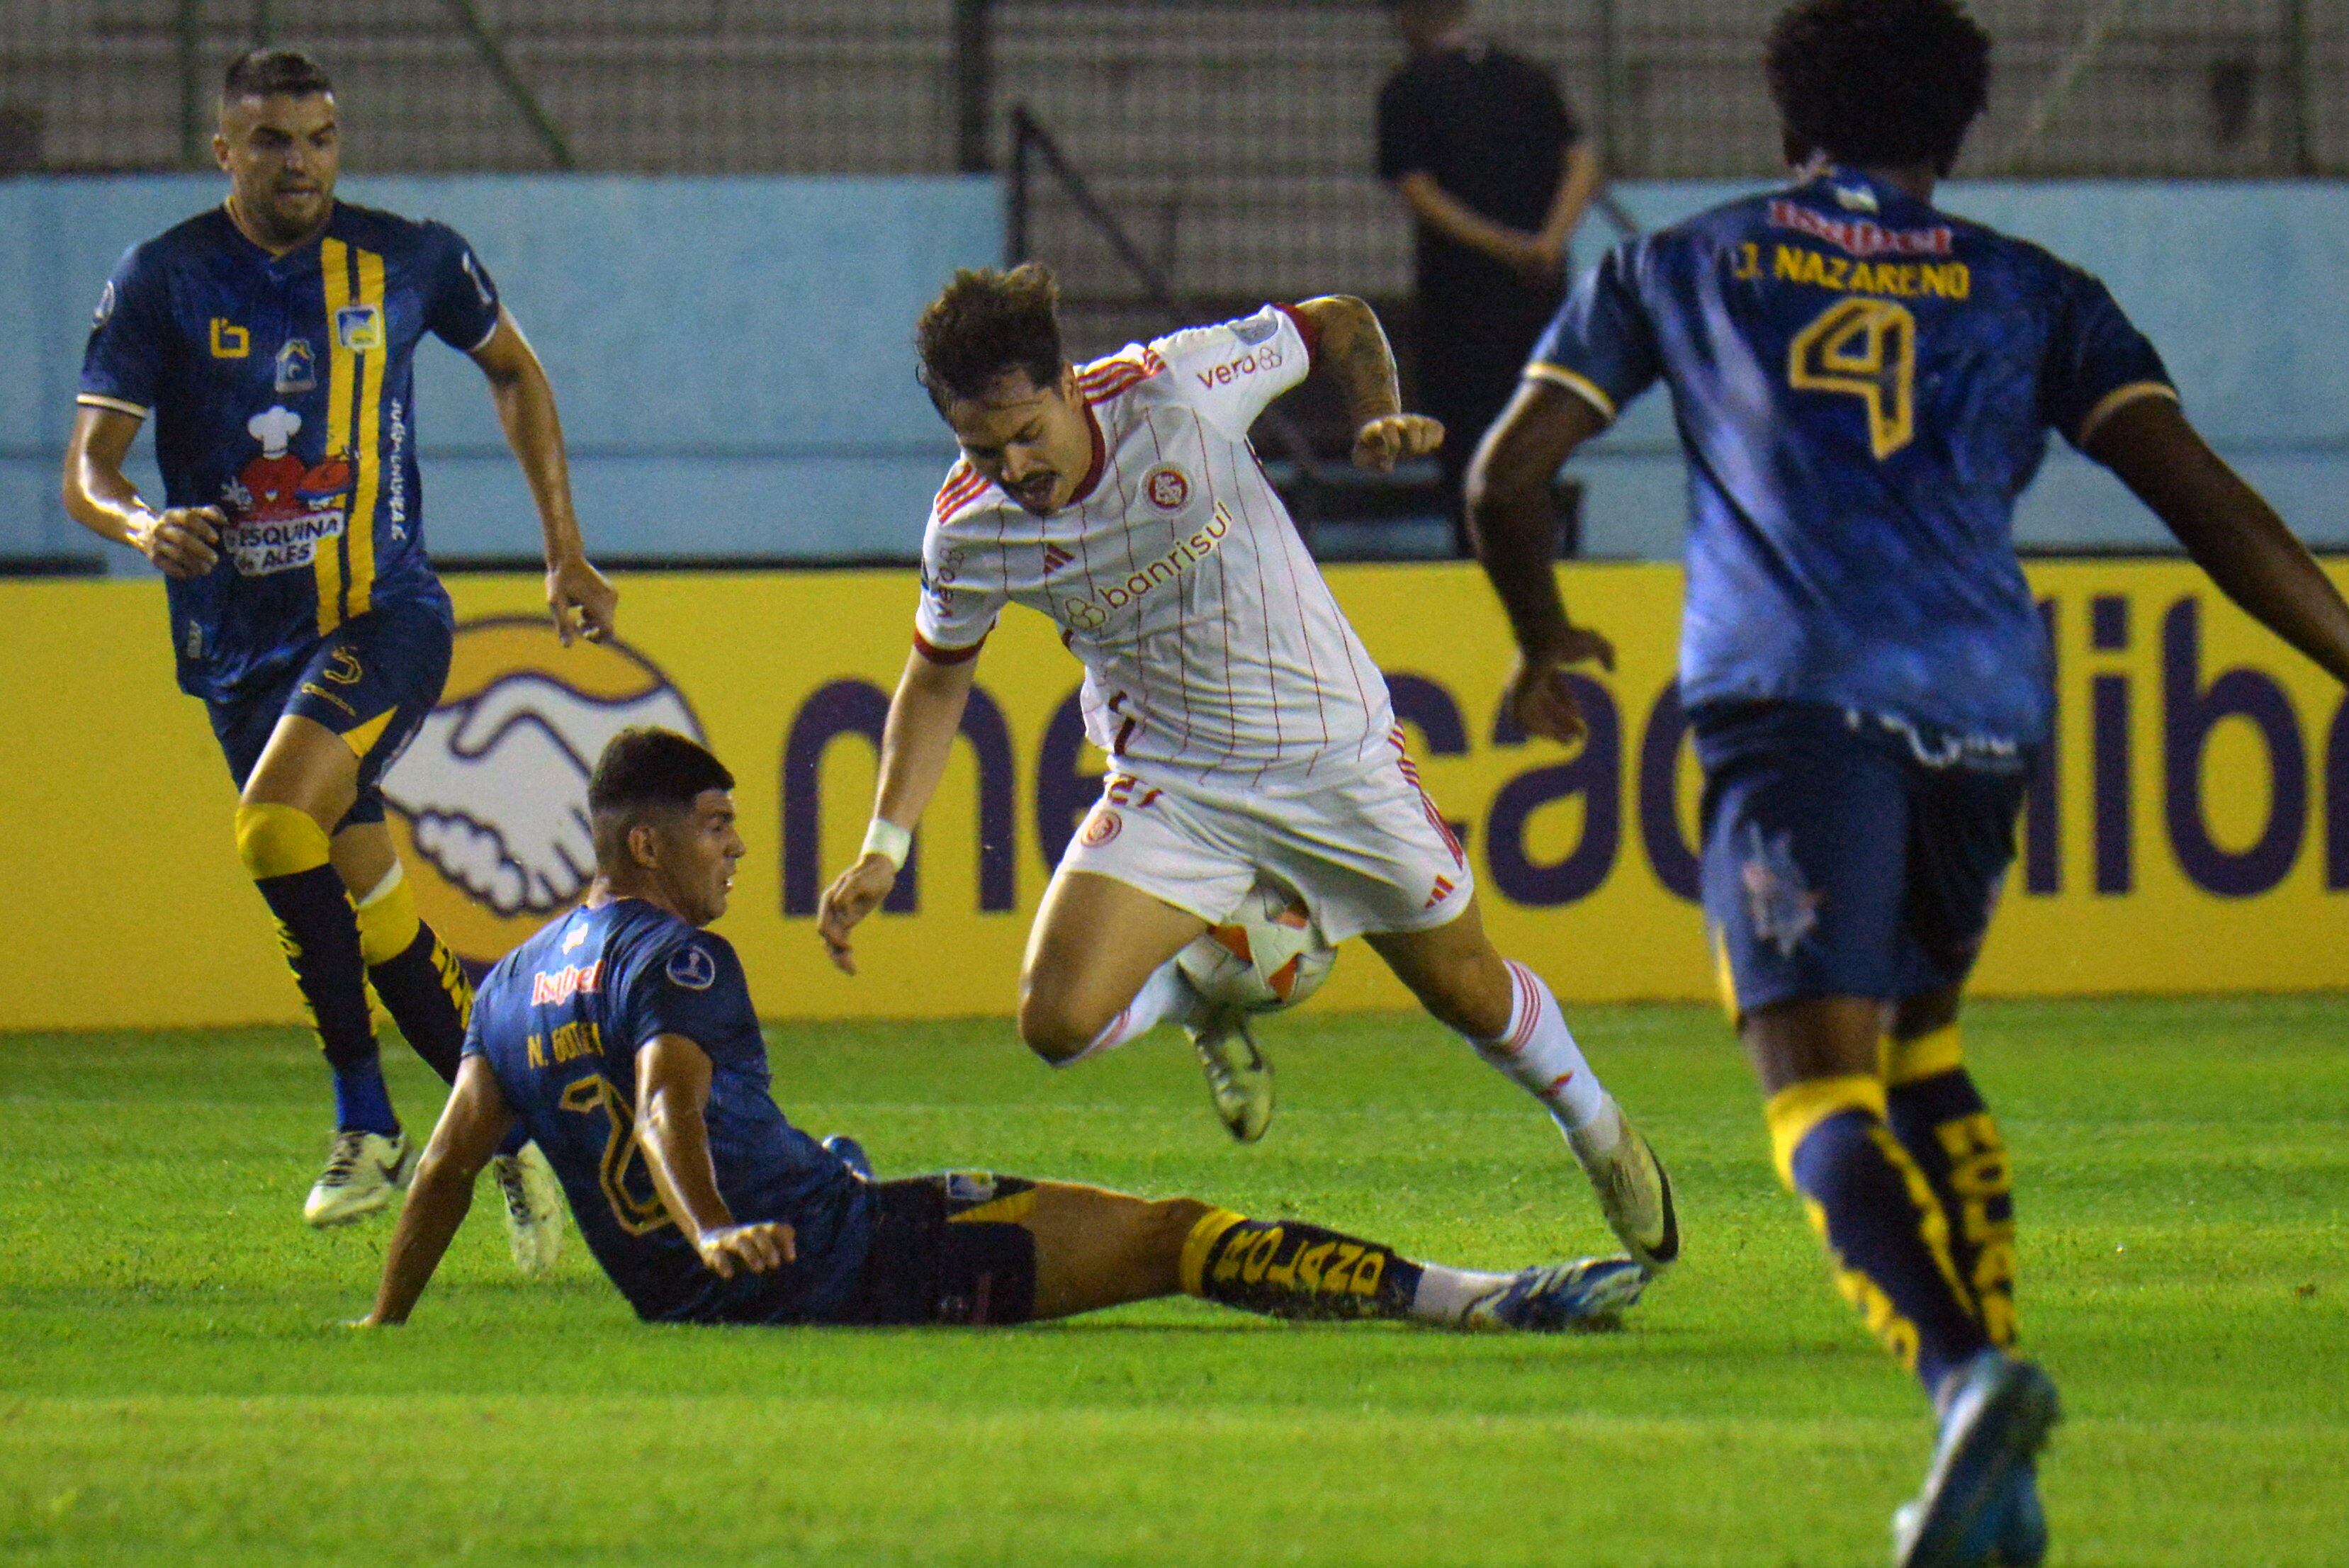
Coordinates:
(1587,1294)
(850,1153)
(1979,1505)
(2022,1539)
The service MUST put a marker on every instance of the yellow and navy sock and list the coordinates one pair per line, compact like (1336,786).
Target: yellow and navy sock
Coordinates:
(285,852)
(422,986)
(1940,1118)
(1285,1269)
(1884,1229)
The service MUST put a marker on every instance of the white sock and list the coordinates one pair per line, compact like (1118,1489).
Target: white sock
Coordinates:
(1445,1294)
(1538,1054)
(1164,995)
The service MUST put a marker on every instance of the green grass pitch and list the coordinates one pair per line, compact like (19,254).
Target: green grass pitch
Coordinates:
(175,1388)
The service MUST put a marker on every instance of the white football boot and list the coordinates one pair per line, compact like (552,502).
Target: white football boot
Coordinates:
(363,1170)
(1634,1191)
(533,1206)
(1239,1081)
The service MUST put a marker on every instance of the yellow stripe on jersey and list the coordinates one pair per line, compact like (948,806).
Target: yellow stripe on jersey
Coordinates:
(334,262)
(360,534)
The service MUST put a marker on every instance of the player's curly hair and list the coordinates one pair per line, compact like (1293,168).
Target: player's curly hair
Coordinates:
(1878,83)
(274,73)
(987,324)
(644,771)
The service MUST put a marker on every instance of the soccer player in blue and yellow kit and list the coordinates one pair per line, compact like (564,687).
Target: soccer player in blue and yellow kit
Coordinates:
(621,1038)
(1864,384)
(272,340)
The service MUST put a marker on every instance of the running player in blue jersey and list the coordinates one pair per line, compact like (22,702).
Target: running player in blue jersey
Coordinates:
(622,1039)
(1864,384)
(273,339)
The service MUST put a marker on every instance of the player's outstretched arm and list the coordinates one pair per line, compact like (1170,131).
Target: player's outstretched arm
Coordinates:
(925,715)
(584,603)
(472,1125)
(1351,349)
(673,1130)
(182,541)
(2229,531)
(1515,524)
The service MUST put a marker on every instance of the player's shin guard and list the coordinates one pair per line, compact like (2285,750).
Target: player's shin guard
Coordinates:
(1885,1234)
(286,854)
(420,981)
(1934,1108)
(1285,1269)
(1538,1053)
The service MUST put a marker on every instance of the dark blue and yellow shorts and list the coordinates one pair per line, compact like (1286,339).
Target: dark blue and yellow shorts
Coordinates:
(1847,854)
(372,680)
(948,1249)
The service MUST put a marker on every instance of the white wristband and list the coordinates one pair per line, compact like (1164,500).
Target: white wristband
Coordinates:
(890,841)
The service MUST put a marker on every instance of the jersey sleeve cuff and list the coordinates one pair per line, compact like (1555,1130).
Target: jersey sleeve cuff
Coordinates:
(497,319)
(1574,381)
(1305,329)
(119,405)
(938,656)
(2113,401)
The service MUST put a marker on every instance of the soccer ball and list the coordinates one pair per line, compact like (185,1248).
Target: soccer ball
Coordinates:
(1267,957)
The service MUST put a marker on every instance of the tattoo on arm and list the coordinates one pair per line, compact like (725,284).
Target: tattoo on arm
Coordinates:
(1354,353)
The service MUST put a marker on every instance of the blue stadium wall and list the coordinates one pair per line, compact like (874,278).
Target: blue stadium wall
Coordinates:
(732,361)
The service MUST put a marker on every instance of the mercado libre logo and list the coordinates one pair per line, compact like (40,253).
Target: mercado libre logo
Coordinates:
(489,803)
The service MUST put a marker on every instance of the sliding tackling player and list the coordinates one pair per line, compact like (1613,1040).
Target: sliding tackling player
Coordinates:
(1248,732)
(273,339)
(1864,385)
(623,1040)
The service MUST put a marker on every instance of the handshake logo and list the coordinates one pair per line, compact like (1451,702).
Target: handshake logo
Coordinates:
(494,789)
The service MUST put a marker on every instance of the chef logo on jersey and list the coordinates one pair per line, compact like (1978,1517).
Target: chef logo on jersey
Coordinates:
(281,508)
(1168,487)
(491,795)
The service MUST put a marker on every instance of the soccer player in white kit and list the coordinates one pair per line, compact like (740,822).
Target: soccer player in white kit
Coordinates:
(1248,732)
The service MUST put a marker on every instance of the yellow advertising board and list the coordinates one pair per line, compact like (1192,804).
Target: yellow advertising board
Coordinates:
(2190,832)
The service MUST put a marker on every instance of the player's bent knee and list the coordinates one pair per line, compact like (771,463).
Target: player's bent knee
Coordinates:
(275,840)
(1054,1030)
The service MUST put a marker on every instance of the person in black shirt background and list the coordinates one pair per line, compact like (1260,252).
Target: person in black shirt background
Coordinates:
(1495,174)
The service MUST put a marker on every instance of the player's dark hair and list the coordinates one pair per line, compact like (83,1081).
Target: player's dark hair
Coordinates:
(645,772)
(988,324)
(1878,84)
(274,73)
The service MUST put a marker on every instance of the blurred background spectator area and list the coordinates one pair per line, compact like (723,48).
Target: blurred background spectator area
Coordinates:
(1232,142)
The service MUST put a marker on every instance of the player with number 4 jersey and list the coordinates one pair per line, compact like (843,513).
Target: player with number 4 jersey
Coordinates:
(1864,384)
(1250,734)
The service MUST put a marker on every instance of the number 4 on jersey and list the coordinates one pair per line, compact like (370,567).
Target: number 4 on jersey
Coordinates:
(1864,348)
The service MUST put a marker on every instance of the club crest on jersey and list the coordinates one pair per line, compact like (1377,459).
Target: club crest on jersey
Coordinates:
(282,510)
(359,327)
(1167,487)
(692,967)
(297,366)
(1101,827)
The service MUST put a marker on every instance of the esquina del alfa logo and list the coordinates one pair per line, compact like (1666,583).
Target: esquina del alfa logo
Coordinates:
(489,803)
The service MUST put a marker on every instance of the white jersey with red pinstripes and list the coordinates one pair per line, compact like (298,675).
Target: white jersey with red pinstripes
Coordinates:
(1213,650)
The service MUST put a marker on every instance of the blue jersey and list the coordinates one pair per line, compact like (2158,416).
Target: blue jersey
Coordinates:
(283,392)
(560,1021)
(1862,385)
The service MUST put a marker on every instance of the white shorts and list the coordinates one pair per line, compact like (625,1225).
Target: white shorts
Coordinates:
(1368,853)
